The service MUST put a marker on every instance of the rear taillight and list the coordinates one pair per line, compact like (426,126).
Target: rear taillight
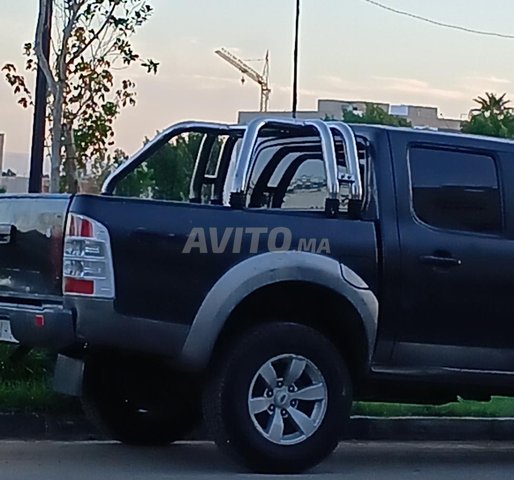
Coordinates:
(87,265)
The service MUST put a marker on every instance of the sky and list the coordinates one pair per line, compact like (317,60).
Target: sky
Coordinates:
(350,50)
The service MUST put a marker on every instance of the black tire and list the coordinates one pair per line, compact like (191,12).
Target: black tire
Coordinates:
(138,401)
(226,398)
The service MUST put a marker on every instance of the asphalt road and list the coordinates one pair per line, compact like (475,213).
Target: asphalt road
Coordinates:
(352,460)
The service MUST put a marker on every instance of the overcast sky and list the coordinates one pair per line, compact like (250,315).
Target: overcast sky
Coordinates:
(350,50)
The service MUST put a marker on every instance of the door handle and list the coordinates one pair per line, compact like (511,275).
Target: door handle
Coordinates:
(440,261)
(6,233)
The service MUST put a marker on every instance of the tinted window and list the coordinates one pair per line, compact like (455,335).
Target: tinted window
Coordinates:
(455,190)
(290,174)
(308,187)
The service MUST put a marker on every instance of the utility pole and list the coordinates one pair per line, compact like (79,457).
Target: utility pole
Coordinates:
(39,122)
(295,58)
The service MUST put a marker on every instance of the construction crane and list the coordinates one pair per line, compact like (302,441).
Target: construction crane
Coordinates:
(261,78)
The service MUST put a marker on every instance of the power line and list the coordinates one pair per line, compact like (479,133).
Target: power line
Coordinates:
(438,23)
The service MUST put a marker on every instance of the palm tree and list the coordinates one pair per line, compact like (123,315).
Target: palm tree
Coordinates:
(494,117)
(492,105)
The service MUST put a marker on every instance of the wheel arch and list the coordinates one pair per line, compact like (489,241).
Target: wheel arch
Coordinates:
(248,293)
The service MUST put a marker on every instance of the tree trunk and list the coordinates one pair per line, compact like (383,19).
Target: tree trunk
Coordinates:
(56,147)
(70,160)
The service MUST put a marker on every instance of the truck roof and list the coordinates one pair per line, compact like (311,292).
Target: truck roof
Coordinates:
(456,136)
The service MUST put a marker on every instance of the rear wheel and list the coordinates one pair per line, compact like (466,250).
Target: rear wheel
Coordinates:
(279,398)
(138,401)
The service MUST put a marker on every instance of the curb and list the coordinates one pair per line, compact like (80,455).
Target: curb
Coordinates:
(34,426)
(431,429)
(38,426)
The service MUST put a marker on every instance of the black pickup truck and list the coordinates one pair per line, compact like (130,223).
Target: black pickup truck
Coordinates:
(310,264)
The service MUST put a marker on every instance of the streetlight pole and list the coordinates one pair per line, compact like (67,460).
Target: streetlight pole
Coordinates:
(39,122)
(295,59)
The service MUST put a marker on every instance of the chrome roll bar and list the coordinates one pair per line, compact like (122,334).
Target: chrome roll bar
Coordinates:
(162,138)
(202,158)
(328,149)
(250,137)
(352,158)
(246,156)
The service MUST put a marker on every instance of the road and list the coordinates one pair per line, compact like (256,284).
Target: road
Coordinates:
(352,460)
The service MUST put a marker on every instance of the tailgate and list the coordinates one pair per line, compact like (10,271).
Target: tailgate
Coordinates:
(31,243)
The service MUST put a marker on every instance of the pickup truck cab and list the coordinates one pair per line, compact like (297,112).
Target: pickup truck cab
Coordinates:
(309,265)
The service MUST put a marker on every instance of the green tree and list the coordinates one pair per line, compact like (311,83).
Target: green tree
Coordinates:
(375,115)
(493,117)
(92,40)
(172,167)
(137,184)
(166,175)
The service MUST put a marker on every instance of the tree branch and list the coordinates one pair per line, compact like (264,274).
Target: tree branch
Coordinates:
(95,36)
(67,32)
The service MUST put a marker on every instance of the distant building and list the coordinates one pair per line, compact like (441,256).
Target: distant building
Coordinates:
(10,182)
(13,184)
(419,116)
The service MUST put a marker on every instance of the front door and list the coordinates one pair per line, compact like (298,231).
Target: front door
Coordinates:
(457,297)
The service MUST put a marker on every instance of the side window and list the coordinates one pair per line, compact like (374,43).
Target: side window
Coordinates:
(166,174)
(307,189)
(455,190)
(291,175)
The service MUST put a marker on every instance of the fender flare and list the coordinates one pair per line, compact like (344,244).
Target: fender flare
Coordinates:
(264,270)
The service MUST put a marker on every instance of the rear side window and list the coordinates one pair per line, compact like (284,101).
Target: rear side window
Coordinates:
(174,172)
(289,173)
(455,190)
(307,188)
(166,174)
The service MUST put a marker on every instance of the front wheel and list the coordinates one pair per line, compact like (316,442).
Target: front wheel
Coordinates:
(279,398)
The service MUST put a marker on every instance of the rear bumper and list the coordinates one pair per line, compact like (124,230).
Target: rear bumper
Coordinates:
(49,326)
(94,323)
(99,326)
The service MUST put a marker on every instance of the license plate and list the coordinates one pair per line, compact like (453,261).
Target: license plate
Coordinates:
(5,332)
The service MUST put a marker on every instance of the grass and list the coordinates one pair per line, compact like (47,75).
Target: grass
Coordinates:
(24,384)
(35,365)
(496,407)
(32,396)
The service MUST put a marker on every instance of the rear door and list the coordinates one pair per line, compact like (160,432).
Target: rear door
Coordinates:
(457,256)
